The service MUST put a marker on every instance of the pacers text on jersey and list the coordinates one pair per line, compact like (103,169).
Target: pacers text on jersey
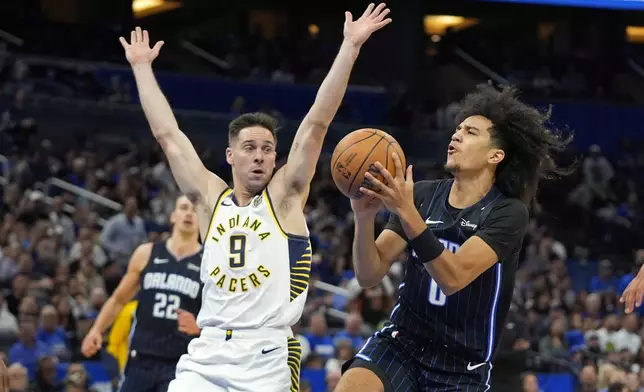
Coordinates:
(240,284)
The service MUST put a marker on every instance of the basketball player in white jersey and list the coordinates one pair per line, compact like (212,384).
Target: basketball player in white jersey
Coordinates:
(257,254)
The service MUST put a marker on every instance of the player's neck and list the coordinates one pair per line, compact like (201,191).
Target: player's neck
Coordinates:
(242,196)
(468,190)
(182,245)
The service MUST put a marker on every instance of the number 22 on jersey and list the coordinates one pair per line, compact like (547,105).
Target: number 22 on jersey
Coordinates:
(166,305)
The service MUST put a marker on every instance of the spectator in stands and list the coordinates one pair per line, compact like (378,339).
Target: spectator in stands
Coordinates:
(52,334)
(8,322)
(28,309)
(554,344)
(18,378)
(319,338)
(86,246)
(628,337)
(46,371)
(605,281)
(76,378)
(608,332)
(19,287)
(343,352)
(27,351)
(123,233)
(352,331)
(332,379)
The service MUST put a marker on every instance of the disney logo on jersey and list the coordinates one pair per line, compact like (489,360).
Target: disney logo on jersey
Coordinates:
(468,224)
(236,221)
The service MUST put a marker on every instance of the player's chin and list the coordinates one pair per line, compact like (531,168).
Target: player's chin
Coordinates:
(451,165)
(257,182)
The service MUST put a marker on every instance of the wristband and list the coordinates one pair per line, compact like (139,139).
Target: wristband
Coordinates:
(426,246)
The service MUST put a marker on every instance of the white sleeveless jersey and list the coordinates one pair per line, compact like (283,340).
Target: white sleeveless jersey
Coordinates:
(255,275)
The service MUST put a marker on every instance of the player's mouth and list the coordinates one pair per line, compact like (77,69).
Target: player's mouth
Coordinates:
(451,150)
(258,172)
(187,222)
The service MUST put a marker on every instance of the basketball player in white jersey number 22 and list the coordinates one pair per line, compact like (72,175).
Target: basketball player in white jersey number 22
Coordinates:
(257,254)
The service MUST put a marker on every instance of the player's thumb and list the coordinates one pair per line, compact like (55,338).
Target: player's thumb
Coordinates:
(410,174)
(348,18)
(180,311)
(157,47)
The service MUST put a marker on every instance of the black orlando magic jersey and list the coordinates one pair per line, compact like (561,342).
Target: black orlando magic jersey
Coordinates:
(167,285)
(470,321)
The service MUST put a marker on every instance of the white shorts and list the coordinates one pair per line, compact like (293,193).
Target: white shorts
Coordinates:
(240,361)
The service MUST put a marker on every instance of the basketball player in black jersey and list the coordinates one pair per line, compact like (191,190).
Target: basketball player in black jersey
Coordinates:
(165,275)
(464,235)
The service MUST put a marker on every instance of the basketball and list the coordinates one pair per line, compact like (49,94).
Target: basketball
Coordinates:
(357,153)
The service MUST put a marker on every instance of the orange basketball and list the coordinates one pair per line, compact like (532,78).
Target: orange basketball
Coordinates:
(356,154)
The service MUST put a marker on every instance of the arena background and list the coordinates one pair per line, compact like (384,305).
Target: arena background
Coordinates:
(75,146)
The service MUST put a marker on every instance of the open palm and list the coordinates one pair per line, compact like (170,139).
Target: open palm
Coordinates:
(138,51)
(373,19)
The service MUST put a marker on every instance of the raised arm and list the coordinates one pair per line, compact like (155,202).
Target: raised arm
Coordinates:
(188,170)
(305,151)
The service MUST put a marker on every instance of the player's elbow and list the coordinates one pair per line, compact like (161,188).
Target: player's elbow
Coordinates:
(453,283)
(367,282)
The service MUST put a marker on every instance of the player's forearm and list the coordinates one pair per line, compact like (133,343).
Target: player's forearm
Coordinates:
(155,105)
(107,315)
(366,258)
(332,90)
(444,269)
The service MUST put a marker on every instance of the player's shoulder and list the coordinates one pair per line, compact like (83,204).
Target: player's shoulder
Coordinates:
(510,208)
(426,189)
(142,255)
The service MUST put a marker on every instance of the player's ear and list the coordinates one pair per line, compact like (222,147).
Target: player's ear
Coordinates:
(496,156)
(229,155)
(173,219)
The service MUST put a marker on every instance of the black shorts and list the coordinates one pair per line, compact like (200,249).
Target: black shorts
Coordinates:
(406,365)
(147,374)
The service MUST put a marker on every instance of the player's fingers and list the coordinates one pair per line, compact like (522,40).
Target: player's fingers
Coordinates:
(369,9)
(348,18)
(369,192)
(375,183)
(378,11)
(139,34)
(398,165)
(123,42)
(146,37)
(132,37)
(389,179)
(628,302)
(382,15)
(638,298)
(383,23)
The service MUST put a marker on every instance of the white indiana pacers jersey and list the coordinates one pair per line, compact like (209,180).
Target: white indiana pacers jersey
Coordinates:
(255,275)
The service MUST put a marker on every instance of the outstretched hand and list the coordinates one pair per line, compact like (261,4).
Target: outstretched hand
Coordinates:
(138,51)
(357,32)
(632,296)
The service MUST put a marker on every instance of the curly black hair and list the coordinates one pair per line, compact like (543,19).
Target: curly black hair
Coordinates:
(522,132)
